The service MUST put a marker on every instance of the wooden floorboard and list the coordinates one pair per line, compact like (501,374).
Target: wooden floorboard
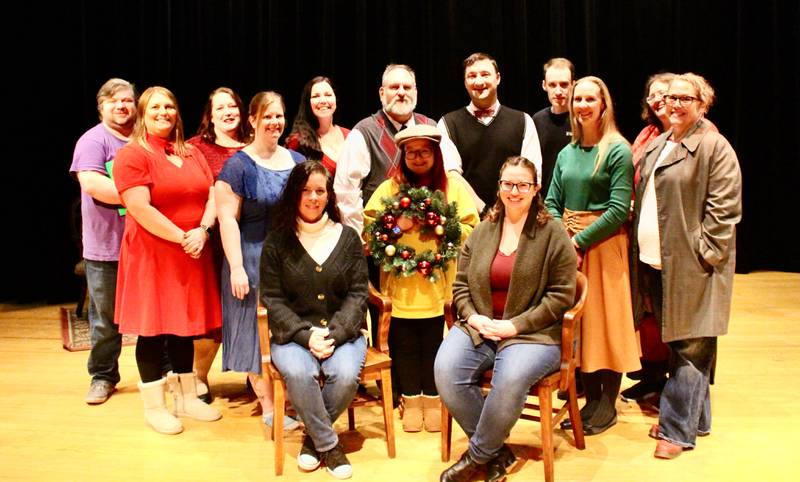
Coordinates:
(48,433)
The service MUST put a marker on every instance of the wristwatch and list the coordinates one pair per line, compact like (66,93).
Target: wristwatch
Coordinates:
(207,229)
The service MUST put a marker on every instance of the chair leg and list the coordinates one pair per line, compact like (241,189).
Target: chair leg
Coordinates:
(277,423)
(388,410)
(545,395)
(446,434)
(351,418)
(575,417)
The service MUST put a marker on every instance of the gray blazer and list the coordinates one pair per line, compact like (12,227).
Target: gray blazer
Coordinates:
(542,281)
(699,193)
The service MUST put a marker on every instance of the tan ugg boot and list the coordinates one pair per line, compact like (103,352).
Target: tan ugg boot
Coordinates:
(184,389)
(412,413)
(432,413)
(155,409)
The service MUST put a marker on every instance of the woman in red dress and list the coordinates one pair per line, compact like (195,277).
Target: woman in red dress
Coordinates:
(167,290)
(221,134)
(313,132)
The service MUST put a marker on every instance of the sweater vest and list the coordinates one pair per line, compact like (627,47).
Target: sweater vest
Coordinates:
(379,132)
(483,148)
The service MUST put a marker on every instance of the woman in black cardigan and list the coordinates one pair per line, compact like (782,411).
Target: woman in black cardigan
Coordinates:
(314,285)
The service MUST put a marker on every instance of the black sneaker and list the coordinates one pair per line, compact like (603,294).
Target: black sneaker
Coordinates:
(336,463)
(308,458)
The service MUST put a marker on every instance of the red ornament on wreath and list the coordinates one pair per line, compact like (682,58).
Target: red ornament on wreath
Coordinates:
(437,257)
(389,221)
(424,268)
(405,254)
(427,201)
(405,202)
(431,218)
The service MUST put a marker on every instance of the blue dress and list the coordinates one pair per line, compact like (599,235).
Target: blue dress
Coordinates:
(260,189)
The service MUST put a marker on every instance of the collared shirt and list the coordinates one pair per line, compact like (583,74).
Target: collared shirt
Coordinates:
(353,166)
(530,141)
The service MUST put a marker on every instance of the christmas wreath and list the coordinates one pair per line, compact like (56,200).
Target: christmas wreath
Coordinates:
(437,219)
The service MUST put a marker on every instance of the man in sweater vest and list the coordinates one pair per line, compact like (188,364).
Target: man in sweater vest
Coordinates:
(369,150)
(486,133)
(552,123)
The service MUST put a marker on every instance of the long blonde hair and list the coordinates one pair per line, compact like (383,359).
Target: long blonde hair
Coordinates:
(608,125)
(140,131)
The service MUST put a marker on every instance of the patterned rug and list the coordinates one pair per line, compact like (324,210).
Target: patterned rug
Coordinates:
(75,332)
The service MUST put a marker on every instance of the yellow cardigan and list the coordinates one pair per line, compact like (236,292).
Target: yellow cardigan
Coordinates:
(415,296)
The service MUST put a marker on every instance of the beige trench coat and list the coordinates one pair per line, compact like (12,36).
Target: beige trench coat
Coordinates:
(698,190)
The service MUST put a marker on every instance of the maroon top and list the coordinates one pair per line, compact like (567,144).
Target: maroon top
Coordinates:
(216,155)
(500,279)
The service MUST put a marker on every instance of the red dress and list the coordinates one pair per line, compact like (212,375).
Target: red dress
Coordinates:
(293,143)
(215,154)
(161,289)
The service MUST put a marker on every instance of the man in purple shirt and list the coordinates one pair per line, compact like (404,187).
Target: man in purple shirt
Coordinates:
(102,227)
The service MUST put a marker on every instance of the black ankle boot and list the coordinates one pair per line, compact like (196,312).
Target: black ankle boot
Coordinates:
(461,471)
(496,468)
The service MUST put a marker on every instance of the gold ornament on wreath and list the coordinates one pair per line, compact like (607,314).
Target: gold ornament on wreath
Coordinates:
(436,218)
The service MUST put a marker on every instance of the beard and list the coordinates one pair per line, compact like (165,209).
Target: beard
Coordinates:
(400,109)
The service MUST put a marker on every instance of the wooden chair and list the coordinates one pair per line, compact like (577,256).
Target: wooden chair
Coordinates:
(377,368)
(563,379)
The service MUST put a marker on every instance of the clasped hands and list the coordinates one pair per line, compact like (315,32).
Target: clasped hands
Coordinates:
(490,329)
(320,345)
(193,241)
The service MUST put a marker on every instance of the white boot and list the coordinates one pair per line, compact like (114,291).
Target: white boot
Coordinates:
(184,389)
(155,409)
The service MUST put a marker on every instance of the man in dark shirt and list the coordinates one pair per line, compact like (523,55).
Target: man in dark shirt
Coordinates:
(552,123)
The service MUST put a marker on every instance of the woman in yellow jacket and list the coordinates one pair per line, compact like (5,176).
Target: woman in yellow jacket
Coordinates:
(415,222)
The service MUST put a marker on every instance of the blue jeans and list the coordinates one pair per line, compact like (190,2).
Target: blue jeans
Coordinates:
(458,370)
(319,407)
(685,407)
(101,280)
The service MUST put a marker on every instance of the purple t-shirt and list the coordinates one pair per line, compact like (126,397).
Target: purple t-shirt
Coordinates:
(102,224)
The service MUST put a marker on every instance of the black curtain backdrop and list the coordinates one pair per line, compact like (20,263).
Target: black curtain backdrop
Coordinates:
(58,54)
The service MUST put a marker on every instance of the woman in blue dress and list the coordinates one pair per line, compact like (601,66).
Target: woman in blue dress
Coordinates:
(250,184)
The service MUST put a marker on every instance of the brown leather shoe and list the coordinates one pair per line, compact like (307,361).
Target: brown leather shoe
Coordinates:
(667,450)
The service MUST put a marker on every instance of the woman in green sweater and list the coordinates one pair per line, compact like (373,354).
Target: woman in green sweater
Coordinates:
(591,193)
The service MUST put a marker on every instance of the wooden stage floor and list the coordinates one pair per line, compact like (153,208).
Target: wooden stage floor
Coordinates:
(47,432)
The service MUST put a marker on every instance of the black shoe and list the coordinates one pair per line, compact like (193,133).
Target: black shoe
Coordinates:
(308,458)
(461,471)
(586,413)
(496,468)
(336,463)
(643,390)
(592,429)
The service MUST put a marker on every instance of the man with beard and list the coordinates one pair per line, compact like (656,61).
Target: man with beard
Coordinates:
(552,123)
(486,133)
(102,228)
(369,150)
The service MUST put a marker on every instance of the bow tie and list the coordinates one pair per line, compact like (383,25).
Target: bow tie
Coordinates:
(481,113)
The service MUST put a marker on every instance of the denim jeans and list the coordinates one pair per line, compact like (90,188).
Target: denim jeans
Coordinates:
(685,407)
(320,407)
(101,280)
(458,370)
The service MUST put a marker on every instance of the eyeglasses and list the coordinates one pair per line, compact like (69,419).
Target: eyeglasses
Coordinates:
(682,99)
(656,97)
(411,155)
(522,187)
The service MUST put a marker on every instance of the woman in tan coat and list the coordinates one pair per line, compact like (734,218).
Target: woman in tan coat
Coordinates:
(683,254)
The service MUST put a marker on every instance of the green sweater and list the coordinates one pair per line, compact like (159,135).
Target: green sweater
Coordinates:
(609,189)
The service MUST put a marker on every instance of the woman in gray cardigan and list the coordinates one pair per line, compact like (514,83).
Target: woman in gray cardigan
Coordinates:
(515,280)
(314,286)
